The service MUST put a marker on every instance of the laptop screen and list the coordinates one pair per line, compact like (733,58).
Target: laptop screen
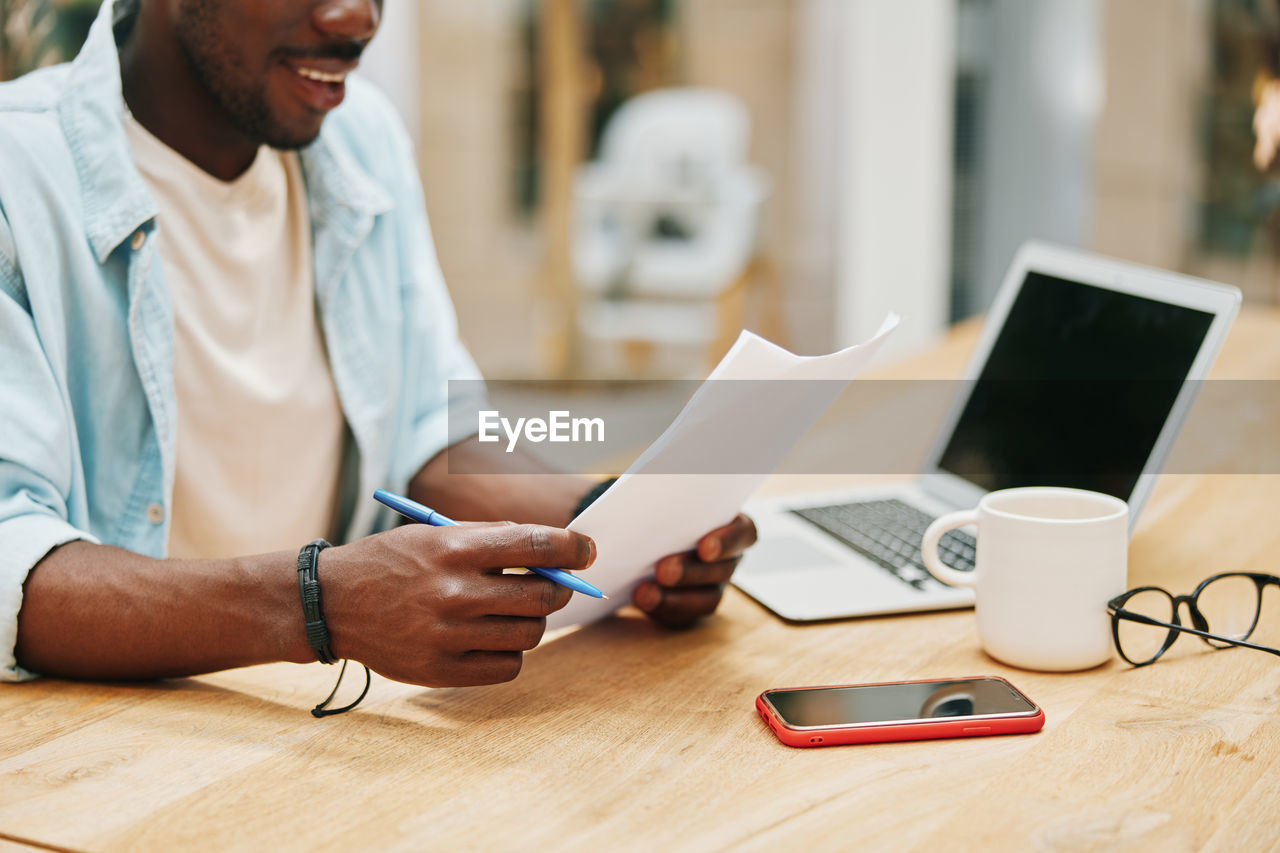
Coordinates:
(1076,389)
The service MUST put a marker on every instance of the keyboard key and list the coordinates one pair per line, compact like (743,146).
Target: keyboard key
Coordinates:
(888,532)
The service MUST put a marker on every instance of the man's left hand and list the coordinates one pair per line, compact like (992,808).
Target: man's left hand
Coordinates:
(688,586)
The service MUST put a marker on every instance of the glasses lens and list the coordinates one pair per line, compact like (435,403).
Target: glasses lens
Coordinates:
(1139,642)
(1230,606)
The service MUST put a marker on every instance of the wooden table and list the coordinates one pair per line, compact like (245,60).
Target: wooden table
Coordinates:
(626,736)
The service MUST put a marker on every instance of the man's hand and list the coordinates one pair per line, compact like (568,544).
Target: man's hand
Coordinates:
(689,586)
(431,605)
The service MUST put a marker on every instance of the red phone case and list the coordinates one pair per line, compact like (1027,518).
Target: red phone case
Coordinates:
(880,732)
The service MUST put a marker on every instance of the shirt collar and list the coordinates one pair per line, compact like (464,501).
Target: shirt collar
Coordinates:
(116,201)
(340,193)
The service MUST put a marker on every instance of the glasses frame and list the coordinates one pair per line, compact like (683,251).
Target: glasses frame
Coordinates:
(1116,608)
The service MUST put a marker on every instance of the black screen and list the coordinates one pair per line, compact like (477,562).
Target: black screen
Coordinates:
(877,703)
(1076,389)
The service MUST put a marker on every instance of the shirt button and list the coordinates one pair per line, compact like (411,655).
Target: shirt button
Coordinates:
(139,238)
(155,514)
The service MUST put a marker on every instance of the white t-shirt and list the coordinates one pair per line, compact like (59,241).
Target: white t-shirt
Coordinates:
(260,426)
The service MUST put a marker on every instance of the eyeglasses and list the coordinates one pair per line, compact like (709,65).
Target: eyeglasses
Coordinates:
(1224,610)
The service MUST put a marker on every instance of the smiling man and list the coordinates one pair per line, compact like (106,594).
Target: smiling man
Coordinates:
(222,325)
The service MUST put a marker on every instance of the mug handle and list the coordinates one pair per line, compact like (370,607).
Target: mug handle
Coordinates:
(929,548)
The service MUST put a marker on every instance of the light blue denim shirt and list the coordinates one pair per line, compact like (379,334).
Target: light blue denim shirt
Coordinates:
(87,405)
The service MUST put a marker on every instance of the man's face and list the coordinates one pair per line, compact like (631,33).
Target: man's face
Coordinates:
(277,67)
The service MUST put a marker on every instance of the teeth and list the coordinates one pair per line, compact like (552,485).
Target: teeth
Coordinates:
(321,76)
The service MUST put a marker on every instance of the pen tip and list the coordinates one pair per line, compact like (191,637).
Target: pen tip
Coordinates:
(605,597)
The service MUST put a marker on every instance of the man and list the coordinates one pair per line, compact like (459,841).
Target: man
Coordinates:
(222,325)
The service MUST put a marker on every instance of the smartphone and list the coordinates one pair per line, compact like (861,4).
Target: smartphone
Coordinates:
(898,710)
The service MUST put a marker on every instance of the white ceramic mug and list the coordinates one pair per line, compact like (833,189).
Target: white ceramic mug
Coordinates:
(1048,561)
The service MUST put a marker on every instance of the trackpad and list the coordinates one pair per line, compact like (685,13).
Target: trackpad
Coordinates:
(782,554)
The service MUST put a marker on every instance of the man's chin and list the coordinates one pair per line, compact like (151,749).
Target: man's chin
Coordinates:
(291,143)
(291,140)
(283,131)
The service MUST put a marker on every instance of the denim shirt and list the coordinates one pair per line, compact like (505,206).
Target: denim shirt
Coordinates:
(87,403)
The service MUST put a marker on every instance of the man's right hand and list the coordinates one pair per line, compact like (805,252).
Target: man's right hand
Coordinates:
(431,605)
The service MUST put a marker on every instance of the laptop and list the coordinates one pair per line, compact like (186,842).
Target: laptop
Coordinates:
(1064,327)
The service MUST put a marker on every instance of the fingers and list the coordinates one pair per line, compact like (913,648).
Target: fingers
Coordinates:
(687,570)
(483,667)
(677,607)
(519,595)
(501,634)
(502,546)
(496,653)
(689,586)
(483,651)
(468,596)
(729,541)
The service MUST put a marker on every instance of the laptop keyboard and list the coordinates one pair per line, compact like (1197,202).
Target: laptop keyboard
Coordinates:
(888,533)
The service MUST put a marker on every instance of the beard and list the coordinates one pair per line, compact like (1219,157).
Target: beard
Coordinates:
(208,45)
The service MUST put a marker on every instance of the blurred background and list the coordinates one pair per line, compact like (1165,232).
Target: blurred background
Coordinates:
(616,186)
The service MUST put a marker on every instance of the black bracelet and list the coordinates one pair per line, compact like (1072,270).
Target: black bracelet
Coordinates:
(323,709)
(590,497)
(309,591)
(317,630)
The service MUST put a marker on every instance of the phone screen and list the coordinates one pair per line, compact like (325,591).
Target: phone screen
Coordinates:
(885,703)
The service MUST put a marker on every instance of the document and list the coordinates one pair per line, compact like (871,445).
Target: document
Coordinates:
(698,474)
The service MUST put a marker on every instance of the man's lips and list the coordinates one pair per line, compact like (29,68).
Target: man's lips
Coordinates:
(319,82)
(321,70)
(313,74)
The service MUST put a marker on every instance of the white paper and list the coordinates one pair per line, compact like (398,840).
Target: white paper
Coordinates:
(645,516)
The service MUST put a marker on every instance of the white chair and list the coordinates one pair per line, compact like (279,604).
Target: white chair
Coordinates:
(666,222)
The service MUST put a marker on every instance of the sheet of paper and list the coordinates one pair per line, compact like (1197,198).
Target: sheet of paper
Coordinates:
(735,434)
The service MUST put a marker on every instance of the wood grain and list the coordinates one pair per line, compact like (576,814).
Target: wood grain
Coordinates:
(19,845)
(626,736)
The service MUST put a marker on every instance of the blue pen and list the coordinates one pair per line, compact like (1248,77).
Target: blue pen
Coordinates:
(417,512)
